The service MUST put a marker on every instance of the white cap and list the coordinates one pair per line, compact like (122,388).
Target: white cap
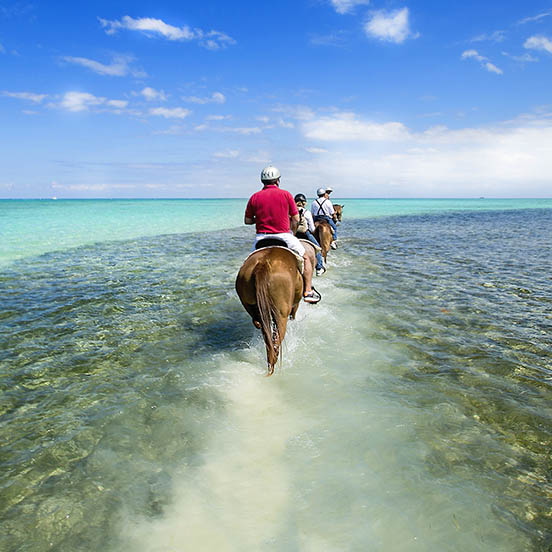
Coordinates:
(270,173)
(329,189)
(320,192)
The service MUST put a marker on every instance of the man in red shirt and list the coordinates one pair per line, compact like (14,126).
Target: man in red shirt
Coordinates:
(275,215)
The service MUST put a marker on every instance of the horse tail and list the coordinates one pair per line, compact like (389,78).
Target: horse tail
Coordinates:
(267,312)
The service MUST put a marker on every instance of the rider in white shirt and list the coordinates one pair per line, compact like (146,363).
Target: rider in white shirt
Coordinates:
(306,229)
(322,209)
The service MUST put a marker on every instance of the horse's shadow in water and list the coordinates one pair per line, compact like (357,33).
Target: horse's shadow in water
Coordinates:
(231,332)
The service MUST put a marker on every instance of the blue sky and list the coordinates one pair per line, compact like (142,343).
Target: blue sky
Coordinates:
(191,99)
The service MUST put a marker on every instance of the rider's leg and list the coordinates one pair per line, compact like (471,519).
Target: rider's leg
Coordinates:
(312,239)
(334,226)
(319,261)
(307,274)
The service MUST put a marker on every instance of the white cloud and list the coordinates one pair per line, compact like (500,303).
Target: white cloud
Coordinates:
(345,6)
(83,101)
(535,18)
(472,54)
(81,187)
(117,104)
(171,131)
(216,97)
(299,112)
(485,63)
(390,26)
(491,67)
(244,130)
(170,113)
(119,67)
(80,101)
(217,117)
(525,58)
(502,160)
(227,154)
(212,40)
(316,150)
(149,25)
(285,124)
(335,38)
(538,42)
(29,96)
(495,36)
(215,40)
(151,94)
(345,127)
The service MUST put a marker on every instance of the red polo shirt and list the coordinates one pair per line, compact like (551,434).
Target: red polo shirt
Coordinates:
(271,208)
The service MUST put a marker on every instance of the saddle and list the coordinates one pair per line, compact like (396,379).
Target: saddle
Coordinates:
(275,242)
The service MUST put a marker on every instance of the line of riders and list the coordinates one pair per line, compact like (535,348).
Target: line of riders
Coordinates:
(279,216)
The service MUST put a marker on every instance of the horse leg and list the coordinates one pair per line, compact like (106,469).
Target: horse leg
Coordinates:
(253,311)
(326,235)
(293,311)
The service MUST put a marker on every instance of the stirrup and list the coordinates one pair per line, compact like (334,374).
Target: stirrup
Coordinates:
(312,297)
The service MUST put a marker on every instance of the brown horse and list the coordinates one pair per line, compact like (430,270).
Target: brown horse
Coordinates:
(338,211)
(270,288)
(324,235)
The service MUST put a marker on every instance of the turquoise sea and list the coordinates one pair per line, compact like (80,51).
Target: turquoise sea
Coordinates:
(411,410)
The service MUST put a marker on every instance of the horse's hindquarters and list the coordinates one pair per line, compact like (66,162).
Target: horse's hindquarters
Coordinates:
(324,235)
(270,287)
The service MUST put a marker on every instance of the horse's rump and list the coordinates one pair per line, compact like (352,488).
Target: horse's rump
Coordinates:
(272,243)
(270,287)
(323,233)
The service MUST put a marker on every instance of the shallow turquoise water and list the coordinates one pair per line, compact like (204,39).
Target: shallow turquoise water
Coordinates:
(33,227)
(411,410)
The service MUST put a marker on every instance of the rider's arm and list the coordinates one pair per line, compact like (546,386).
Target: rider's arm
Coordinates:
(249,215)
(310,221)
(294,222)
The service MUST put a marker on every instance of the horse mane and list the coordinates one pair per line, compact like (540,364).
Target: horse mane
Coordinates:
(267,309)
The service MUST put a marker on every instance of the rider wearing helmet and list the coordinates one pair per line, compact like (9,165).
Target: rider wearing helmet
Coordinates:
(275,215)
(306,228)
(322,209)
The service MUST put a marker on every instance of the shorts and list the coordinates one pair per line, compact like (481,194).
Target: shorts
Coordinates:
(291,241)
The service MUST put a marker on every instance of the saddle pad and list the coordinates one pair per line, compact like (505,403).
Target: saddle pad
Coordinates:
(317,248)
(298,258)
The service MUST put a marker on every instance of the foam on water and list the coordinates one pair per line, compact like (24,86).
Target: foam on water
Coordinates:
(318,458)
